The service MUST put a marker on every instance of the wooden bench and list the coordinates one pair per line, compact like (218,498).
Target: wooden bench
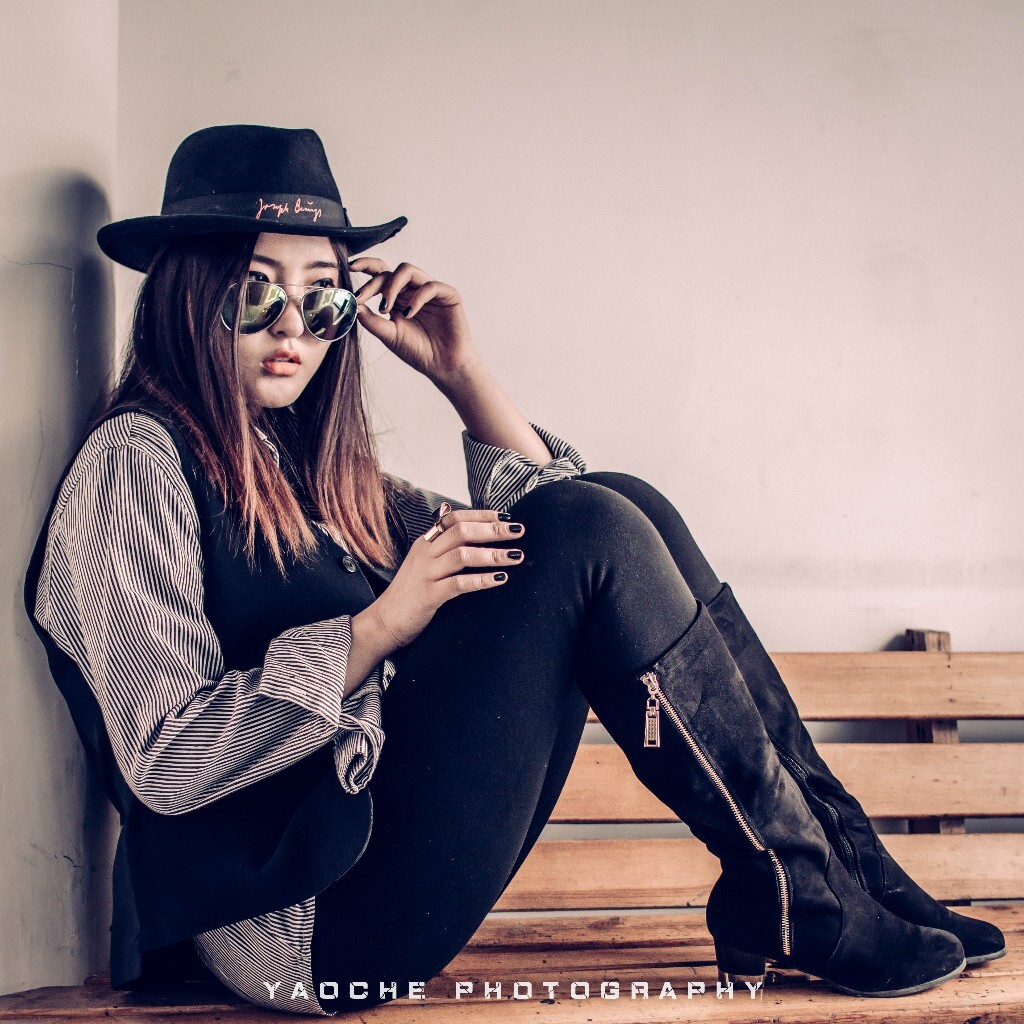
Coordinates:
(926,777)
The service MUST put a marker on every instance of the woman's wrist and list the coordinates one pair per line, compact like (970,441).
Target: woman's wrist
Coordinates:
(460,383)
(489,415)
(372,642)
(374,609)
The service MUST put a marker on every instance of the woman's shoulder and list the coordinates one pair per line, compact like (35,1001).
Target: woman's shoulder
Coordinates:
(131,442)
(134,428)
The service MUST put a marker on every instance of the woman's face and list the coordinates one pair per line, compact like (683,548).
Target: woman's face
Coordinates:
(275,365)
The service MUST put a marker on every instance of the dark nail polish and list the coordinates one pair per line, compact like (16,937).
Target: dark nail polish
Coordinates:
(516,528)
(515,555)
(384,305)
(504,516)
(500,577)
(407,311)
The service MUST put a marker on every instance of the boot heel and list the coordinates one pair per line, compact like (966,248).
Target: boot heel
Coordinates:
(737,967)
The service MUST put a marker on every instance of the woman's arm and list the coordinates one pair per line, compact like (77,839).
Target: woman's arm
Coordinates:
(426,327)
(123,596)
(489,414)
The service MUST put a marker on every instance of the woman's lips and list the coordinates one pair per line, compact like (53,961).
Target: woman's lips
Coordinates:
(280,368)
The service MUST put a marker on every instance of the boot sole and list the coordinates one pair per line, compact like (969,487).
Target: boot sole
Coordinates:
(972,960)
(899,991)
(735,966)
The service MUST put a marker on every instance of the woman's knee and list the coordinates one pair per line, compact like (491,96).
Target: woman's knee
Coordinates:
(665,519)
(579,518)
(644,495)
(673,529)
(624,483)
(576,503)
(603,494)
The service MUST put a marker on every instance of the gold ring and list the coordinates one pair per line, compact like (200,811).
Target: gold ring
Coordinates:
(438,528)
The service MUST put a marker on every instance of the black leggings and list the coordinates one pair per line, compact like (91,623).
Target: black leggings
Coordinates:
(484,717)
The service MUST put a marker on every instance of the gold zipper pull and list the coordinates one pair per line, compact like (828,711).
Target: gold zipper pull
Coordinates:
(652,721)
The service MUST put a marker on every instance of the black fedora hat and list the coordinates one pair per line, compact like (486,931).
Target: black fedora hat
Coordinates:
(243,177)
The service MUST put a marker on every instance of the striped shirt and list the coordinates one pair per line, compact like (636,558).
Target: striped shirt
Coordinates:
(121,593)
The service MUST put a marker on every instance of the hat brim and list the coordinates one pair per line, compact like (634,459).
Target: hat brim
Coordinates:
(135,242)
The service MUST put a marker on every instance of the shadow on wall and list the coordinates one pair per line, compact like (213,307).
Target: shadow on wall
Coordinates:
(57,334)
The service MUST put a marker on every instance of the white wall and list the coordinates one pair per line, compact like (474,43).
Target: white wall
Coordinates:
(58,84)
(765,255)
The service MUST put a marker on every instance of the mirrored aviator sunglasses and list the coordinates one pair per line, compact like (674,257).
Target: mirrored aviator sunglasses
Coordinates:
(328,313)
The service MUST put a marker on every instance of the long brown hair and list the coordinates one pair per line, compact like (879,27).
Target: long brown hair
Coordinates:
(181,357)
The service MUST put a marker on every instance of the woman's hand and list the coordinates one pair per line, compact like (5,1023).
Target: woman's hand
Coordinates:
(431,573)
(427,326)
(428,330)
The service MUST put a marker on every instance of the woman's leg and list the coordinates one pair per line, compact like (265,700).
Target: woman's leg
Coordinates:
(472,718)
(483,720)
(848,828)
(688,557)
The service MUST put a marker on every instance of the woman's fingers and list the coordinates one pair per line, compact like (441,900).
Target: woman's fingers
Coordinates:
(384,282)
(375,322)
(404,275)
(461,547)
(372,287)
(367,265)
(379,326)
(468,582)
(379,274)
(471,556)
(473,526)
(413,302)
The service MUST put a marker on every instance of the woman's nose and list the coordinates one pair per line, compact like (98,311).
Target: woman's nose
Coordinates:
(290,323)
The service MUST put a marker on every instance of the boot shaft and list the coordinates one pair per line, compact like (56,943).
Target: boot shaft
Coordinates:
(692,735)
(847,827)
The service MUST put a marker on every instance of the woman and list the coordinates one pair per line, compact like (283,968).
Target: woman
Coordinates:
(237,603)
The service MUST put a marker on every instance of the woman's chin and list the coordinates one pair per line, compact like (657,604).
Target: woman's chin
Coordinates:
(277,392)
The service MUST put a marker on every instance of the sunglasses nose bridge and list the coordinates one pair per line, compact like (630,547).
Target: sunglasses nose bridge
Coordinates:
(290,321)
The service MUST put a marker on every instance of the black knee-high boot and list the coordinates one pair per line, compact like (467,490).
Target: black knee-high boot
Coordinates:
(694,737)
(848,828)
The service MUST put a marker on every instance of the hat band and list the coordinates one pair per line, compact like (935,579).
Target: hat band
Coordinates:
(275,207)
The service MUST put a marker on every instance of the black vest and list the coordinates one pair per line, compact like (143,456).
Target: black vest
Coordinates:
(267,846)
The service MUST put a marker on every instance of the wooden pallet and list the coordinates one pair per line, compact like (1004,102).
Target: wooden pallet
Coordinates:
(931,781)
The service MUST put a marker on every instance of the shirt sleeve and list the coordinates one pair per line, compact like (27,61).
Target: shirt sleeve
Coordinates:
(498,477)
(122,594)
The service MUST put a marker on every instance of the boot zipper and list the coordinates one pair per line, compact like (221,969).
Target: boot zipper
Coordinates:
(652,738)
(850,856)
(784,931)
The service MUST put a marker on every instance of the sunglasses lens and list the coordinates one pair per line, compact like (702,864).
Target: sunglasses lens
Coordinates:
(329,312)
(262,304)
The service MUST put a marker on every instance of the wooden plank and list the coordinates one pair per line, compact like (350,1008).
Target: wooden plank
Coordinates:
(627,942)
(976,996)
(613,873)
(604,932)
(865,686)
(624,948)
(891,780)
(508,931)
(691,962)
(789,1002)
